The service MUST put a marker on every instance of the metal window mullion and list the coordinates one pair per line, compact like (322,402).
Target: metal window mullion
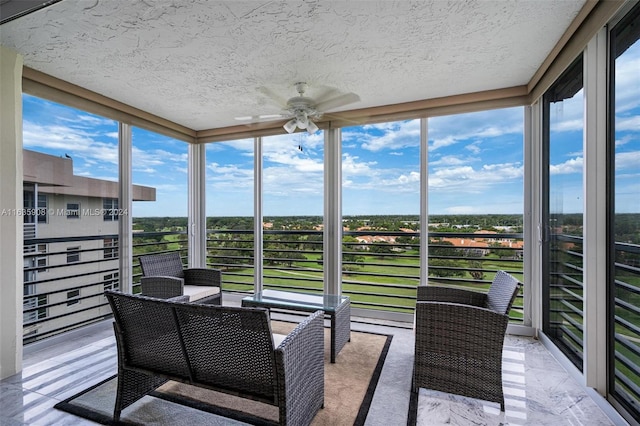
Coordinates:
(424,201)
(595,213)
(258,242)
(197,229)
(533,218)
(125,222)
(332,232)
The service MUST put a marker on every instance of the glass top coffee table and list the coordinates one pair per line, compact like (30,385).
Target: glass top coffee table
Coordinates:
(337,308)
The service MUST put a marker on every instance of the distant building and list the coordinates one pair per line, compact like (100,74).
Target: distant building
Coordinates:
(75,219)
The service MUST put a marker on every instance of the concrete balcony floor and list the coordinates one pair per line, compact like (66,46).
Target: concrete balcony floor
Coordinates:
(537,389)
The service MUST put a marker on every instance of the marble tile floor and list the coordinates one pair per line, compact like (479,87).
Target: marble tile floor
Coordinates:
(538,390)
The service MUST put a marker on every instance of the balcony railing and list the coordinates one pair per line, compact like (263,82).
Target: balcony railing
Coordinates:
(566,293)
(627,322)
(65,277)
(380,270)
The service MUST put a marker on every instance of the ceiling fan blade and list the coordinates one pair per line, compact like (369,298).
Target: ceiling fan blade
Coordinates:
(274,97)
(263,117)
(342,100)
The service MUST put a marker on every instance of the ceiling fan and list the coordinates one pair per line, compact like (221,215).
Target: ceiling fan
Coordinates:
(303,110)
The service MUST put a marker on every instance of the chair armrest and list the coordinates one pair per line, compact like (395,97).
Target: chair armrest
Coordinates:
(300,370)
(203,276)
(431,293)
(451,328)
(161,287)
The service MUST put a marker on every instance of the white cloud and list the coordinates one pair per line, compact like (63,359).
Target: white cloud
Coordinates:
(625,140)
(470,127)
(245,145)
(75,141)
(88,121)
(466,179)
(443,142)
(352,167)
(628,123)
(573,165)
(405,182)
(628,160)
(449,160)
(229,177)
(568,125)
(473,147)
(626,79)
(568,115)
(461,210)
(282,181)
(396,135)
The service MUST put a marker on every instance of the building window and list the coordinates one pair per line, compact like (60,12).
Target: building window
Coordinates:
(73,211)
(36,260)
(110,248)
(42,208)
(29,289)
(41,261)
(73,297)
(111,281)
(35,314)
(73,254)
(110,209)
(28,202)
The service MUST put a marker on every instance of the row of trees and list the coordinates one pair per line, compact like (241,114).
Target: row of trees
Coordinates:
(459,223)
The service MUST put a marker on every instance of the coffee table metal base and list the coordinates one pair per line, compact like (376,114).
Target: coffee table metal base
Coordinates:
(337,308)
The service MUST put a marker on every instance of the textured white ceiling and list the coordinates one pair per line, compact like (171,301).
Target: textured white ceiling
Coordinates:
(200,63)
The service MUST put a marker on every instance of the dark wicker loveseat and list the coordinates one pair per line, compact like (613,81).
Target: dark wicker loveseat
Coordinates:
(227,349)
(459,336)
(163,276)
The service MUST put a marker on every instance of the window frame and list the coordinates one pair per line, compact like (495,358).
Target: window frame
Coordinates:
(72,212)
(73,251)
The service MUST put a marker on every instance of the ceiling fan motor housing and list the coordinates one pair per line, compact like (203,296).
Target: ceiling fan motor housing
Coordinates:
(301,104)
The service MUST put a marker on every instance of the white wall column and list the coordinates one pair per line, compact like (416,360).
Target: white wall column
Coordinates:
(125,202)
(424,201)
(332,251)
(11,232)
(257,215)
(197,229)
(595,213)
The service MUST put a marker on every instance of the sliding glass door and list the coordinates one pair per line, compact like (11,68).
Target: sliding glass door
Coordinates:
(624,214)
(563,121)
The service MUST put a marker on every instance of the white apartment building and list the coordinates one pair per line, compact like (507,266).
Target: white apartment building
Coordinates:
(70,244)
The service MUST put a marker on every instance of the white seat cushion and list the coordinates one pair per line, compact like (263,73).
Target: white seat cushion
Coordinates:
(197,292)
(277,339)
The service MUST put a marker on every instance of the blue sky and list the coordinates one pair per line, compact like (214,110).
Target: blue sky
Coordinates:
(476,160)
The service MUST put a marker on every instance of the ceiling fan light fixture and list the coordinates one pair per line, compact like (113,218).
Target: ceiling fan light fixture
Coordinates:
(290,125)
(311,127)
(302,121)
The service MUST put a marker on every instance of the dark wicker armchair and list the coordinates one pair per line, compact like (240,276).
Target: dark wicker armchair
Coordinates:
(163,276)
(459,337)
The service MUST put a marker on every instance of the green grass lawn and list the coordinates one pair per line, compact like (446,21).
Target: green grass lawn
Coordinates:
(393,288)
